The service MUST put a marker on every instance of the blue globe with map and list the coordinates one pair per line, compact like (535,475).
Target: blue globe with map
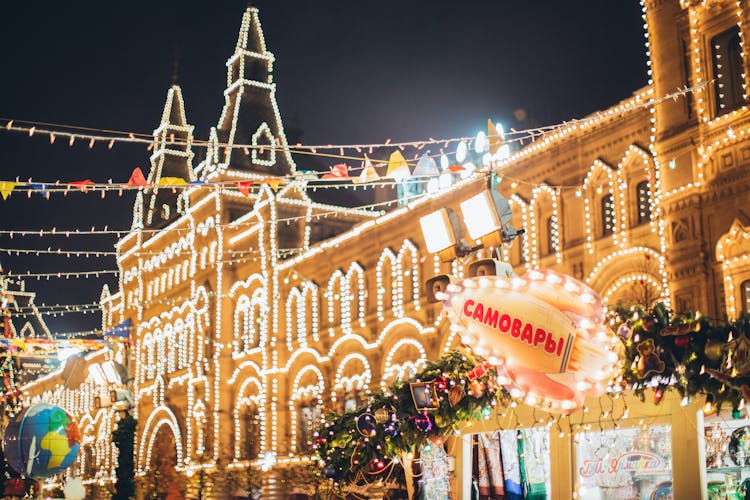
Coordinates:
(41,441)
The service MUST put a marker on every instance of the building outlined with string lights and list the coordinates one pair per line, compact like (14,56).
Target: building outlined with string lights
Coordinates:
(253,307)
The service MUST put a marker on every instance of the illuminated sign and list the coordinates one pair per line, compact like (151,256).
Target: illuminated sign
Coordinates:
(545,331)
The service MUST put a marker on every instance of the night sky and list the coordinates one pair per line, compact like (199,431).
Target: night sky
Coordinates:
(346,72)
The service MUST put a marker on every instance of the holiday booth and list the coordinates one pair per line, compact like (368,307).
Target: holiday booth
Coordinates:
(555,396)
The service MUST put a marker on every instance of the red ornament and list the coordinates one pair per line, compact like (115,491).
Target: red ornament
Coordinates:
(658,395)
(441,384)
(479,371)
(682,342)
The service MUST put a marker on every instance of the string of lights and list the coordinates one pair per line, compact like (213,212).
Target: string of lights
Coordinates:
(110,137)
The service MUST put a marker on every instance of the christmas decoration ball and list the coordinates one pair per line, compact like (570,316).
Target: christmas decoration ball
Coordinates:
(382,415)
(476,388)
(41,441)
(714,349)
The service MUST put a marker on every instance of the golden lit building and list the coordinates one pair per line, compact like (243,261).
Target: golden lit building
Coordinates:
(251,313)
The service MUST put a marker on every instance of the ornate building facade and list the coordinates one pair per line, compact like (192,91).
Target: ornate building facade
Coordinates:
(252,313)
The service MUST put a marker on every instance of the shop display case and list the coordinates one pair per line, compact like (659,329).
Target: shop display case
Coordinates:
(727,442)
(625,463)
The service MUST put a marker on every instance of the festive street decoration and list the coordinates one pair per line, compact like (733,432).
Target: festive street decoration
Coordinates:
(685,352)
(41,441)
(544,331)
(405,418)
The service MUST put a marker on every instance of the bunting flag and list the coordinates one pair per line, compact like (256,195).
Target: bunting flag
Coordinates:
(398,169)
(172,181)
(369,174)
(137,178)
(307,175)
(495,139)
(454,169)
(425,166)
(338,171)
(42,188)
(6,187)
(82,185)
(244,187)
(273,183)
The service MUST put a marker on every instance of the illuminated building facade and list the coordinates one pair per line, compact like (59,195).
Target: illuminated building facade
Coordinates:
(251,313)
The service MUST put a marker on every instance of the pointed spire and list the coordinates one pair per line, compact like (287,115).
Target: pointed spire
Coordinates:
(251,115)
(250,38)
(174,109)
(171,161)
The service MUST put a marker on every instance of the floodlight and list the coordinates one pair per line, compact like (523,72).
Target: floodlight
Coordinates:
(442,233)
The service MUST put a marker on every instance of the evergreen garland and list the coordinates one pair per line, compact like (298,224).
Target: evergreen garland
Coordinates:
(124,439)
(699,357)
(397,427)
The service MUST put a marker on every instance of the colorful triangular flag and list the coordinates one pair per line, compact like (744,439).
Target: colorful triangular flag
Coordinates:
(137,178)
(369,174)
(306,175)
(398,169)
(338,171)
(171,181)
(82,185)
(36,186)
(273,183)
(244,187)
(6,187)
(426,166)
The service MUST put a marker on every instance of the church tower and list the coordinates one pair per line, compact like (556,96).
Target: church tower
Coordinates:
(251,115)
(171,160)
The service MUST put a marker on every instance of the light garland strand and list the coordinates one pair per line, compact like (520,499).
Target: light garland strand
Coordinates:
(113,136)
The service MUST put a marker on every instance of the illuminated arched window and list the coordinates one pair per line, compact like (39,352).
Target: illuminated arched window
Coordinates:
(608,214)
(251,420)
(644,203)
(728,71)
(745,287)
(553,235)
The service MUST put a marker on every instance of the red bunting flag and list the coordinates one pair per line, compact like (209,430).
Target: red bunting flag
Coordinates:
(244,187)
(137,178)
(82,185)
(338,171)
(454,169)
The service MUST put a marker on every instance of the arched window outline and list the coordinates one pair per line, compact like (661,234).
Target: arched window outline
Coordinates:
(643,201)
(385,271)
(726,55)
(350,391)
(607,212)
(408,278)
(745,288)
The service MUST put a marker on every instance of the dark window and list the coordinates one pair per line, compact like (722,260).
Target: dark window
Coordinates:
(553,237)
(644,203)
(689,98)
(745,287)
(728,79)
(608,214)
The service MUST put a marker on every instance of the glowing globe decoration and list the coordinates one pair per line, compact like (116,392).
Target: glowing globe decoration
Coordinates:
(41,441)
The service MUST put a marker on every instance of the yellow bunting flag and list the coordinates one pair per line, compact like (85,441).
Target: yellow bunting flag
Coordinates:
(398,169)
(171,181)
(6,187)
(273,183)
